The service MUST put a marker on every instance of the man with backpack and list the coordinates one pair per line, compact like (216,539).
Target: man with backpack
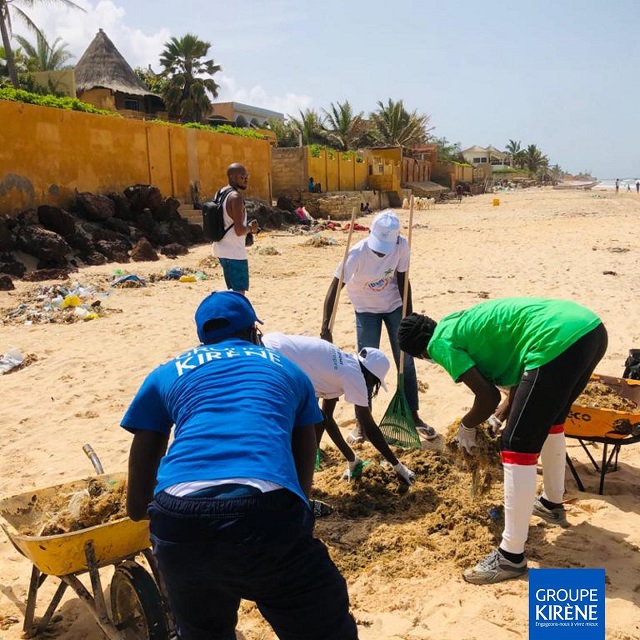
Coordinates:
(230,248)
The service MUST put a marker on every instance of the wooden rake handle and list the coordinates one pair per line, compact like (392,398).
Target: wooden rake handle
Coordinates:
(334,311)
(405,293)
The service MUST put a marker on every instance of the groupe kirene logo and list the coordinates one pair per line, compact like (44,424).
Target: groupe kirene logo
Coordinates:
(566,604)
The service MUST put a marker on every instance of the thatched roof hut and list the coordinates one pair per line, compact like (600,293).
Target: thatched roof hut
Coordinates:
(104,78)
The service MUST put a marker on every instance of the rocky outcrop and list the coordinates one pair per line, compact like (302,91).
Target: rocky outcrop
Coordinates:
(143,251)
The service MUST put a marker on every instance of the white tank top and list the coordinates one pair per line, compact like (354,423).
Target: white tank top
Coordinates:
(231,246)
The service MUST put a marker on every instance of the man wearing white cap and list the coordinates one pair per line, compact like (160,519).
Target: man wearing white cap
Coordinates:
(374,274)
(334,373)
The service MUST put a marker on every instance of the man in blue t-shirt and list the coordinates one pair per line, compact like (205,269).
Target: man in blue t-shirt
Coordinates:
(228,502)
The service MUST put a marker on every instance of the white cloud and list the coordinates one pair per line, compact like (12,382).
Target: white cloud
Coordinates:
(257,96)
(78,29)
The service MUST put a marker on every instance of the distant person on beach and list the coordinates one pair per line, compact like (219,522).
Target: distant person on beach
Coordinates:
(374,274)
(544,351)
(637,186)
(310,185)
(365,208)
(228,502)
(629,187)
(617,185)
(335,373)
(231,251)
(459,192)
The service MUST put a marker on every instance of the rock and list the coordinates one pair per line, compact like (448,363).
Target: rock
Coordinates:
(113,250)
(168,210)
(174,249)
(143,251)
(56,219)
(143,196)
(94,258)
(144,220)
(6,239)
(6,283)
(120,226)
(43,244)
(11,266)
(122,206)
(170,232)
(80,241)
(46,274)
(196,234)
(27,218)
(286,203)
(95,207)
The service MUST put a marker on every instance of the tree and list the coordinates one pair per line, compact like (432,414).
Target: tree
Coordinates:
(44,56)
(344,129)
(516,153)
(393,125)
(186,93)
(309,127)
(12,7)
(534,159)
(286,135)
(155,82)
(448,151)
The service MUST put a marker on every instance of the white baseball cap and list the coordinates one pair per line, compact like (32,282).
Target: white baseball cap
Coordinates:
(374,361)
(385,230)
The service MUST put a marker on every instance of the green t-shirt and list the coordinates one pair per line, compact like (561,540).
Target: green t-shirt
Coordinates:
(506,337)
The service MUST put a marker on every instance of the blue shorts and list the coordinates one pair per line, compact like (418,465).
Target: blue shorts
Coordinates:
(236,273)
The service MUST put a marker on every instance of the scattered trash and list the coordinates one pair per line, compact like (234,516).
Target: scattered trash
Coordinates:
(59,303)
(10,360)
(187,278)
(182,274)
(609,273)
(319,241)
(495,513)
(129,281)
(268,251)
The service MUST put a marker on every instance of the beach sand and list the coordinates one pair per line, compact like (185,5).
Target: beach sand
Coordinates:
(403,565)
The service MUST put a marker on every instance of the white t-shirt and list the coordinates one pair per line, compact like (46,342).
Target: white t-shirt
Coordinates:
(232,245)
(332,372)
(371,280)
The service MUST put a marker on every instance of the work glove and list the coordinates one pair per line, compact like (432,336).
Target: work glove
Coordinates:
(406,475)
(496,425)
(466,438)
(354,469)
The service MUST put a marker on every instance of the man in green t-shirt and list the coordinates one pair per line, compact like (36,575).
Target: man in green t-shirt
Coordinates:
(544,351)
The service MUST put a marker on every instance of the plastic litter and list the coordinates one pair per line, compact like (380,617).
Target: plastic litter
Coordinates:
(188,278)
(129,281)
(10,360)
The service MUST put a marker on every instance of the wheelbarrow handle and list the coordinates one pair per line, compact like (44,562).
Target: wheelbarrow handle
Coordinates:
(93,456)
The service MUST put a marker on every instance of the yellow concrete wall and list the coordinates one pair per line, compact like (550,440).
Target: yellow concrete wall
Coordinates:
(46,153)
(100,98)
(317,169)
(333,172)
(360,174)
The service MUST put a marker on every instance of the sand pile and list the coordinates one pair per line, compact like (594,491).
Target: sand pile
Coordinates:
(601,396)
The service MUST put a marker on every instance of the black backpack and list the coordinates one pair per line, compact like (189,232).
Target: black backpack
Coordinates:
(213,216)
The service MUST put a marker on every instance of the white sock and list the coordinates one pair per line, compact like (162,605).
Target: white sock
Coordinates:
(519,496)
(553,458)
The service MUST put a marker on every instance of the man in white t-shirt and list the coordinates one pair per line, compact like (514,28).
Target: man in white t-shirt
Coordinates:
(335,373)
(374,274)
(231,250)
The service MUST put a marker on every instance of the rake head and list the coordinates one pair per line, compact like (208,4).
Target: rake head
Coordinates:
(397,425)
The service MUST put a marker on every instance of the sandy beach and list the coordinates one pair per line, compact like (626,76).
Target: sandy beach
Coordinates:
(403,572)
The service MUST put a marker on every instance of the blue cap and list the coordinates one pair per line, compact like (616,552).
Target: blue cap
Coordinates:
(226,313)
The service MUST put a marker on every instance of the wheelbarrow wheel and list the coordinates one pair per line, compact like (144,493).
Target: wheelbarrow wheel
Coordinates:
(136,604)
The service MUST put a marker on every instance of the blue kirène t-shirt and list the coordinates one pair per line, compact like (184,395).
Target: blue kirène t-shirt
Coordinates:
(234,406)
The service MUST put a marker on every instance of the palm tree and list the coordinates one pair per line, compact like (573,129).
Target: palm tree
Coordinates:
(186,93)
(286,135)
(12,7)
(345,129)
(534,159)
(309,127)
(393,125)
(44,56)
(516,152)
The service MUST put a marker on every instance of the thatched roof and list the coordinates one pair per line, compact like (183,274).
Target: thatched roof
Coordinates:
(102,65)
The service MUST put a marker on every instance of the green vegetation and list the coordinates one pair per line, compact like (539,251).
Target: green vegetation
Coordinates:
(223,128)
(10,10)
(186,91)
(44,56)
(73,104)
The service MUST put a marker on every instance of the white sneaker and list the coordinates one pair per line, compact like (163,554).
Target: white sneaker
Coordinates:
(495,568)
(426,431)
(356,436)
(558,515)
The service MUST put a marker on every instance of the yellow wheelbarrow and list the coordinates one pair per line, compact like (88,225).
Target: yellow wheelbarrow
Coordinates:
(139,609)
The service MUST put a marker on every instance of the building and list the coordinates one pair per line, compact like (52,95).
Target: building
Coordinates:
(487,156)
(242,115)
(106,80)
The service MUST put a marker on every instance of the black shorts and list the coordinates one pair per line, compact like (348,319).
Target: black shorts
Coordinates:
(544,396)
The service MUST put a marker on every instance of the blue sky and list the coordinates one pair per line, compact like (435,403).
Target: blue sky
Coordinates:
(561,74)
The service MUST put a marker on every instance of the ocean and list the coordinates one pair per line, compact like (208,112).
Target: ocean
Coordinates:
(610,185)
